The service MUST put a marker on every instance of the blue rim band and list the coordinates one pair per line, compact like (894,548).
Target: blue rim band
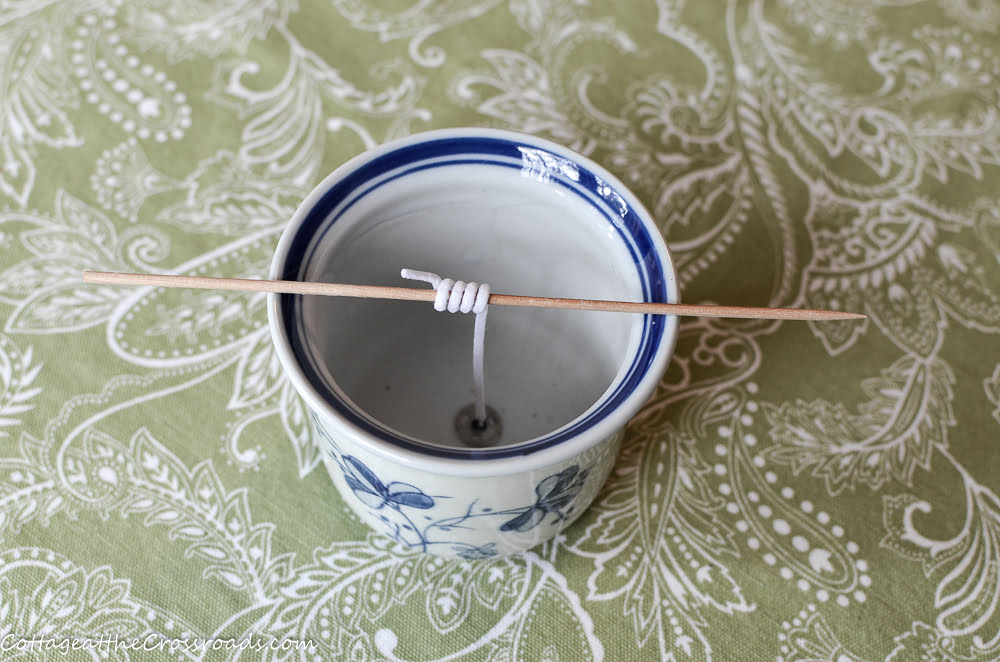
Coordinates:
(451,152)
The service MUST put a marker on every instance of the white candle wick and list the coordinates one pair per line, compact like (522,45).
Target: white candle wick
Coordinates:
(459,296)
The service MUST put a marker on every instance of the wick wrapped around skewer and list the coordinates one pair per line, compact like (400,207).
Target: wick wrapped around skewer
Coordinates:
(460,296)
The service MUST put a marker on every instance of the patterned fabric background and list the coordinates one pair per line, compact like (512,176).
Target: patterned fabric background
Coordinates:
(793,491)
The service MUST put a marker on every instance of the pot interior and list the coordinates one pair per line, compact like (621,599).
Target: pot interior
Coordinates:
(409,367)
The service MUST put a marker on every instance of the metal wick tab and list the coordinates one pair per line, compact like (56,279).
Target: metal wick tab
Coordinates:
(475,433)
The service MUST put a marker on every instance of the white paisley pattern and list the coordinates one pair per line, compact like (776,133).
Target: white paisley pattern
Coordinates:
(798,492)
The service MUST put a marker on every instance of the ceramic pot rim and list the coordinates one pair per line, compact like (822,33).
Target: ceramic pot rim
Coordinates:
(527,455)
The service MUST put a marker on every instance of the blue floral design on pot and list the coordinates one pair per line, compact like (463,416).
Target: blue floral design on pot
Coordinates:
(367,487)
(555,493)
(400,506)
(475,553)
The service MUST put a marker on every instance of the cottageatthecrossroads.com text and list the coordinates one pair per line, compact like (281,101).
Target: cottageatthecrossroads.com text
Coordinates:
(108,643)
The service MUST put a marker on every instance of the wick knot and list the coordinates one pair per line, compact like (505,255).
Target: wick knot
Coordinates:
(453,296)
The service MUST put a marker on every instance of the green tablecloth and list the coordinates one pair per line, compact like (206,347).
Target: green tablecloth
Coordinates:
(794,491)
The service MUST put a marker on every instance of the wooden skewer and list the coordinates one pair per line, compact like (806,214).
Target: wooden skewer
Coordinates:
(409,294)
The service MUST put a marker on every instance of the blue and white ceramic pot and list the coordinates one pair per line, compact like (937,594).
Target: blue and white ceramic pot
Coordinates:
(384,380)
